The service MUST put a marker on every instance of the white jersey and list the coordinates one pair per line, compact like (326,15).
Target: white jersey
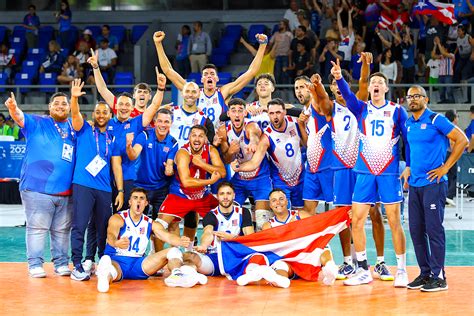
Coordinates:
(231,225)
(182,123)
(262,119)
(285,153)
(138,234)
(345,137)
(212,106)
(293,215)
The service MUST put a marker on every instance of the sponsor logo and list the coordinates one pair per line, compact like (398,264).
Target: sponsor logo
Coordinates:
(423,126)
(433,207)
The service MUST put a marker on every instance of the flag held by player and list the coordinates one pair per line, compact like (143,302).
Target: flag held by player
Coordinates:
(298,243)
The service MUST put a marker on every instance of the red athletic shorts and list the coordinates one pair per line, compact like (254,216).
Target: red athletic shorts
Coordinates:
(177,206)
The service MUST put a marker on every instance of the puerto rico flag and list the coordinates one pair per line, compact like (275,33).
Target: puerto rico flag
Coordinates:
(299,244)
(442,11)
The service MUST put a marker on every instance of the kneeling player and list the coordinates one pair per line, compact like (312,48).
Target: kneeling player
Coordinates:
(128,235)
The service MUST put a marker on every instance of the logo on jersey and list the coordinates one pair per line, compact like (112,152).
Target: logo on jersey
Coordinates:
(387,113)
(166,149)
(142,230)
(292,133)
(195,121)
(423,126)
(234,222)
(150,145)
(126,126)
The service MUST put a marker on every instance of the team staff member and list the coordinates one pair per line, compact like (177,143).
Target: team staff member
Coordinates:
(428,134)
(92,191)
(45,182)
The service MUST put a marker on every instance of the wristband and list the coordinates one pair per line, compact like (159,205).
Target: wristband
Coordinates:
(265,41)
(164,89)
(121,191)
(95,67)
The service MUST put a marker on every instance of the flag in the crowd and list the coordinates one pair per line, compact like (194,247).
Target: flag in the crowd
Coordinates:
(299,244)
(442,11)
(385,21)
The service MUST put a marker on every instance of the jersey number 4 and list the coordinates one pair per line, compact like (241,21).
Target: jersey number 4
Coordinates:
(134,245)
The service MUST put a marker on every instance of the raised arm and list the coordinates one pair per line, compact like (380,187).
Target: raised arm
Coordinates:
(339,20)
(150,111)
(76,92)
(172,239)
(165,64)
(133,151)
(15,112)
(354,105)
(319,93)
(363,92)
(233,87)
(349,24)
(99,80)
(182,162)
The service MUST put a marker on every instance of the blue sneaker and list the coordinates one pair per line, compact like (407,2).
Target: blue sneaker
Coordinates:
(78,274)
(382,272)
(345,270)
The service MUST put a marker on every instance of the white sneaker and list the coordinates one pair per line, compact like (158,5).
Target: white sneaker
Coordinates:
(253,275)
(450,202)
(330,271)
(274,278)
(37,272)
(89,266)
(63,271)
(361,276)
(103,272)
(179,279)
(401,279)
(201,278)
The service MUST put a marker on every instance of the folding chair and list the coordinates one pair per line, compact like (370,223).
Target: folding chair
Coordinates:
(465,177)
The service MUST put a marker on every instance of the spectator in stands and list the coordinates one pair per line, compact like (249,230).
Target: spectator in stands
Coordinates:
(388,66)
(408,58)
(433,29)
(31,23)
(53,62)
(7,60)
(355,66)
(183,67)
(4,128)
(358,19)
(470,132)
(464,45)
(446,70)
(330,53)
(453,117)
(87,39)
(332,33)
(464,11)
(283,38)
(113,41)
(107,60)
(313,39)
(64,17)
(268,61)
(290,15)
(82,54)
(199,47)
(301,63)
(71,71)
(452,36)
(315,13)
(300,37)
(433,67)
(14,129)
(347,38)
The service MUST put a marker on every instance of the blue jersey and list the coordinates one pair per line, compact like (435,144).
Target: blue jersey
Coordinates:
(91,142)
(345,138)
(138,233)
(428,145)
(318,153)
(380,130)
(151,169)
(48,165)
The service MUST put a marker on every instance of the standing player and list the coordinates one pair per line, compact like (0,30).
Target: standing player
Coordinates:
(282,140)
(212,99)
(239,140)
(189,188)
(279,206)
(380,123)
(128,234)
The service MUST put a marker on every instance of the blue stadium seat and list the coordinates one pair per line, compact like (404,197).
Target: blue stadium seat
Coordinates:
(45,35)
(124,78)
(137,32)
(18,43)
(3,80)
(224,77)
(19,31)
(233,31)
(95,29)
(47,79)
(74,32)
(16,53)
(194,76)
(220,60)
(254,30)
(64,52)
(227,45)
(119,32)
(3,32)
(30,67)
(36,54)
(23,80)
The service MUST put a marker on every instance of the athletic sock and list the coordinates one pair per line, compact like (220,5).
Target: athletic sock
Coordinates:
(348,260)
(402,262)
(362,259)
(113,272)
(380,259)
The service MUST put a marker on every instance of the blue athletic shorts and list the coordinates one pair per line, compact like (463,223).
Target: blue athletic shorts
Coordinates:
(259,188)
(370,189)
(344,182)
(131,267)
(318,186)
(215,261)
(294,194)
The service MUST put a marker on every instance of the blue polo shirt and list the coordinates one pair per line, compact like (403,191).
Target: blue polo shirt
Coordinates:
(428,142)
(120,130)
(44,170)
(470,130)
(88,138)
(151,170)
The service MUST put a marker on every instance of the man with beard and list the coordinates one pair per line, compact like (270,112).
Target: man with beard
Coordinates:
(46,182)
(239,141)
(189,191)
(224,222)
(211,99)
(282,140)
(428,133)
(381,123)
(92,190)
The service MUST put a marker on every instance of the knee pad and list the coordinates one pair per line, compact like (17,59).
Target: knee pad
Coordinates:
(174,253)
(190,220)
(162,222)
(280,265)
(261,217)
